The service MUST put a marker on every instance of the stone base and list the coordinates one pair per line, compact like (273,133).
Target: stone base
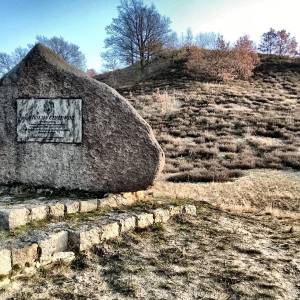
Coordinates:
(13,216)
(59,246)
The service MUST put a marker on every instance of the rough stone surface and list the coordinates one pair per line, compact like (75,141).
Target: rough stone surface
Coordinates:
(71,207)
(5,262)
(4,283)
(161,215)
(57,210)
(53,243)
(140,195)
(84,238)
(38,212)
(109,231)
(109,201)
(12,218)
(24,256)
(88,205)
(175,210)
(190,210)
(118,153)
(144,220)
(127,222)
(63,257)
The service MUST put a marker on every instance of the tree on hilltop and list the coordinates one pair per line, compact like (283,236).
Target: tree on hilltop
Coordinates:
(138,33)
(285,44)
(278,42)
(268,42)
(207,40)
(188,38)
(245,43)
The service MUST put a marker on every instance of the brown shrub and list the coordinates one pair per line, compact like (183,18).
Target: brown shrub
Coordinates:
(225,64)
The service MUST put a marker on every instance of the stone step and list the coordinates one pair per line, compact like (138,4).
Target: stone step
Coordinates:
(61,241)
(13,216)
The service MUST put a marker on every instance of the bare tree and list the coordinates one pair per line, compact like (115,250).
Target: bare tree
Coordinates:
(18,54)
(188,38)
(68,51)
(268,42)
(111,63)
(244,43)
(285,44)
(221,44)
(138,33)
(110,60)
(173,41)
(207,40)
(5,63)
(278,42)
(8,61)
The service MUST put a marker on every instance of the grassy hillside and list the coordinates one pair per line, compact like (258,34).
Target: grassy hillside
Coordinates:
(214,131)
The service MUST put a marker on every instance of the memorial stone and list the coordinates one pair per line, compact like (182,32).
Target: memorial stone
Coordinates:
(63,130)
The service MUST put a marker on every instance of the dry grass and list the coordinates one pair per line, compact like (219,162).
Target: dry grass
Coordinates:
(222,129)
(260,191)
(214,255)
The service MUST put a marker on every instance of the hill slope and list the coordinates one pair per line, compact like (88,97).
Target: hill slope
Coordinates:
(213,131)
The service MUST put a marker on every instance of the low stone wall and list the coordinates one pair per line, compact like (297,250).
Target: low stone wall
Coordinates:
(62,244)
(19,215)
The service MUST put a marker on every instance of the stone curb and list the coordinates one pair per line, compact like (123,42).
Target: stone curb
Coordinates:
(16,216)
(59,246)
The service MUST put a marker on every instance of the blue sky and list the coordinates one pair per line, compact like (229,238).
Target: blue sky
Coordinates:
(83,21)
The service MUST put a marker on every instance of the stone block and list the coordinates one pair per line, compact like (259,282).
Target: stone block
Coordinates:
(5,262)
(190,210)
(109,201)
(84,238)
(13,217)
(88,205)
(52,243)
(56,210)
(161,215)
(4,283)
(144,220)
(175,210)
(71,207)
(140,195)
(63,257)
(109,231)
(127,222)
(126,199)
(39,212)
(24,256)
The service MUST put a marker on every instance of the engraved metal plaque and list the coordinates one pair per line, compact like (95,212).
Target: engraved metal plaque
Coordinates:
(49,120)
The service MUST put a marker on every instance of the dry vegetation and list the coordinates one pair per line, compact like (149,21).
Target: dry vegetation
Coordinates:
(215,255)
(231,149)
(213,131)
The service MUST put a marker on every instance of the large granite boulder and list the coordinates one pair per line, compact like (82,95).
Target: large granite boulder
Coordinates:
(105,145)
